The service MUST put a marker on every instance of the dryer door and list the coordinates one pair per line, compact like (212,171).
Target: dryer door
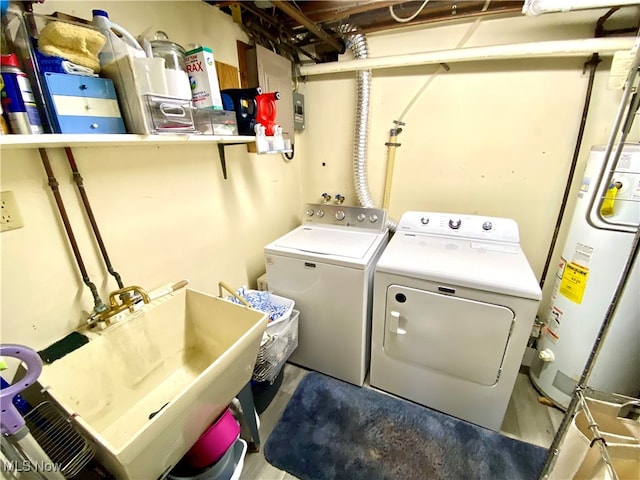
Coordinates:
(452,335)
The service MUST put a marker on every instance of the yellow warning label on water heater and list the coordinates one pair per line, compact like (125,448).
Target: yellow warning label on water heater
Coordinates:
(574,282)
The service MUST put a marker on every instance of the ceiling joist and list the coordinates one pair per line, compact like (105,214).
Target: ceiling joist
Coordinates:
(308,31)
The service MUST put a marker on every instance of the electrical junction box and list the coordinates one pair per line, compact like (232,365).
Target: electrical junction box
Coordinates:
(298,111)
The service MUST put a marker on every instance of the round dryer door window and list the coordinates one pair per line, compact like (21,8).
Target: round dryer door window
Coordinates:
(456,336)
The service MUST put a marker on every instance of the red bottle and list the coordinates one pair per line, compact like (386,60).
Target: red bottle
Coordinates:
(266,114)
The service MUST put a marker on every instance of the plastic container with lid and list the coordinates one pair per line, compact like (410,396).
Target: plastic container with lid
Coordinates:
(174,55)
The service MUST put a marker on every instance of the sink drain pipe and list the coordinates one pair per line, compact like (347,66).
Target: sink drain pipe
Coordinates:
(357,42)
(99,305)
(92,219)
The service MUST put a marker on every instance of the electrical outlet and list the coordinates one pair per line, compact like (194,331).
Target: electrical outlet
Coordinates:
(10,218)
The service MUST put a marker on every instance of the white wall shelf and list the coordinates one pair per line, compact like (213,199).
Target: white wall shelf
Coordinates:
(55,140)
(105,140)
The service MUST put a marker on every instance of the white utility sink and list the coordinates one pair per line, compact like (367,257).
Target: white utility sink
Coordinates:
(184,356)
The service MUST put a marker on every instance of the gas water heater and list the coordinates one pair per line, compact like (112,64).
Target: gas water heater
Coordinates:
(598,245)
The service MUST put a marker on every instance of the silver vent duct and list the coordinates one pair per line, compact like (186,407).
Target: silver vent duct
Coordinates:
(357,42)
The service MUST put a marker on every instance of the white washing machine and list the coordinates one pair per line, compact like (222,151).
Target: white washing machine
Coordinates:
(326,265)
(454,303)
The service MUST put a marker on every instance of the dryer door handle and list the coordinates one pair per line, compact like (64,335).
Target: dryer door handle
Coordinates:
(394,323)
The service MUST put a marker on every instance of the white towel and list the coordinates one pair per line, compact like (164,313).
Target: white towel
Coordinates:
(75,69)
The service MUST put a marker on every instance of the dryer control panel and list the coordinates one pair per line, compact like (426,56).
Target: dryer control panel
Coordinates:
(370,219)
(475,227)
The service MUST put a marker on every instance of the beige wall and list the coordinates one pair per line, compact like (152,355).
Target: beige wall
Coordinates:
(165,212)
(488,138)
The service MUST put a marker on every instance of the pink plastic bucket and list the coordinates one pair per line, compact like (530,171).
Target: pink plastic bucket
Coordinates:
(214,442)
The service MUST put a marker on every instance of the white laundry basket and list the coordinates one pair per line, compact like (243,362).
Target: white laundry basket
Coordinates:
(264,301)
(277,346)
(579,456)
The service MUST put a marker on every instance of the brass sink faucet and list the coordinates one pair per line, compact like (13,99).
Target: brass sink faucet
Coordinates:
(128,301)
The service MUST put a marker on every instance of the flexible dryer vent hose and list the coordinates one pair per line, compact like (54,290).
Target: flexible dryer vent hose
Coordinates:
(357,42)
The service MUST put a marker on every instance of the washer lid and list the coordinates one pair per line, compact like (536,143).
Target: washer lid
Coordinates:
(340,242)
(490,266)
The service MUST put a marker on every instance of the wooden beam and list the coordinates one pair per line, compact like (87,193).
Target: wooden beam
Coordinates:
(379,20)
(438,17)
(321,12)
(300,17)
(236,13)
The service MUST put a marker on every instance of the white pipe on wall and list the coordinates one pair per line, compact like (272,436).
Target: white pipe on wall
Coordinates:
(538,7)
(557,48)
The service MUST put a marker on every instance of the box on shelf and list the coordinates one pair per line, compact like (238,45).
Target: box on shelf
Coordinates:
(215,122)
(169,114)
(201,68)
(147,113)
(81,104)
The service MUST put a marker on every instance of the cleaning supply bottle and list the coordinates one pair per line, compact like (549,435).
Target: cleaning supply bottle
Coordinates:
(267,110)
(17,97)
(115,47)
(243,102)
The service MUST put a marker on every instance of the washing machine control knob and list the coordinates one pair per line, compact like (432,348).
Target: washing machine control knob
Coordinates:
(310,212)
(455,224)
(424,220)
(487,226)
(320,213)
(340,215)
(373,218)
(361,217)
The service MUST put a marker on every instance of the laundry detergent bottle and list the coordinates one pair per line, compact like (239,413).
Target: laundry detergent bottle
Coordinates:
(266,115)
(243,102)
(115,47)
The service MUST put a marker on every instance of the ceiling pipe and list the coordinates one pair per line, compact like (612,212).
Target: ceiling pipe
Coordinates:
(309,24)
(558,48)
(538,7)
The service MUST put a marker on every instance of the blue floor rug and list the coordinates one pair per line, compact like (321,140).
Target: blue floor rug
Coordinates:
(335,430)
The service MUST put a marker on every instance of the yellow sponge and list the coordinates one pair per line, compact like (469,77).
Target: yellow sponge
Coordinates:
(72,42)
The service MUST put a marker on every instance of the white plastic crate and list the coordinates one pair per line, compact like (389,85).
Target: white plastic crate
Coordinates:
(276,349)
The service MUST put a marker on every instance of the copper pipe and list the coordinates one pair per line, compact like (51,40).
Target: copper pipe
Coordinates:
(99,305)
(92,219)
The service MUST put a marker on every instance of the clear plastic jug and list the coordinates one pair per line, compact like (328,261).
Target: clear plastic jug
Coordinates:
(120,47)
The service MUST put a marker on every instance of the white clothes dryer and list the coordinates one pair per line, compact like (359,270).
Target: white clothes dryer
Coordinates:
(326,266)
(454,303)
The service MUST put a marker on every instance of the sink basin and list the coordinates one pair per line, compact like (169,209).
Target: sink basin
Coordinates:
(182,357)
